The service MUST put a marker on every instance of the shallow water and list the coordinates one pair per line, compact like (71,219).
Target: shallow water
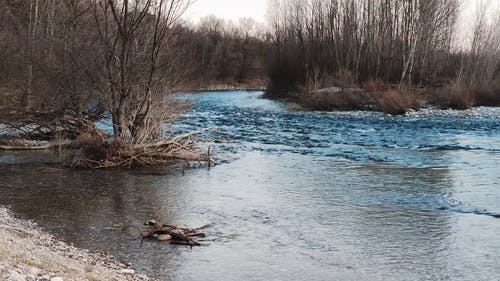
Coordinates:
(297,196)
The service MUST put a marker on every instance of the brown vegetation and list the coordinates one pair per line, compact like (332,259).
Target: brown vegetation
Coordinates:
(399,44)
(394,101)
(487,96)
(225,54)
(9,100)
(99,153)
(454,96)
(373,85)
(66,64)
(397,102)
(336,99)
(85,58)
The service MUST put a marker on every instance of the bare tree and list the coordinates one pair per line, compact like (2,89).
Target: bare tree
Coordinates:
(136,60)
(400,42)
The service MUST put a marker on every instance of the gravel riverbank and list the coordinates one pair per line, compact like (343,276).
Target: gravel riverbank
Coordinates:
(27,253)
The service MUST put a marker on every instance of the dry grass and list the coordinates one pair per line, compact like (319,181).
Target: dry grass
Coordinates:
(373,85)
(164,110)
(487,95)
(397,102)
(452,96)
(344,79)
(375,95)
(341,100)
(99,153)
(9,100)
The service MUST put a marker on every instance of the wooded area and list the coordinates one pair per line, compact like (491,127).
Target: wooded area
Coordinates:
(72,62)
(85,59)
(384,45)
(67,55)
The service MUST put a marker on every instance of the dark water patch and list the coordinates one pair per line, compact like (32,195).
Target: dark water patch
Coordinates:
(470,210)
(27,157)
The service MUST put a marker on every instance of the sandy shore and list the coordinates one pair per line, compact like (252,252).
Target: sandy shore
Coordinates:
(27,253)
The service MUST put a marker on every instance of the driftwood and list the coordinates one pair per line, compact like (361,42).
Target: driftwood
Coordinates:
(172,234)
(21,147)
(18,144)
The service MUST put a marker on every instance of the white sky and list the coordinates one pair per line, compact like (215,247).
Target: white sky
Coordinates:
(466,21)
(235,9)
(227,9)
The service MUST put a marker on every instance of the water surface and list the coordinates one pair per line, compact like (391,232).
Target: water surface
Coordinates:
(297,196)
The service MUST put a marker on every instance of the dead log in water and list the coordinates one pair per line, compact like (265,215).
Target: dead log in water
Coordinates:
(172,234)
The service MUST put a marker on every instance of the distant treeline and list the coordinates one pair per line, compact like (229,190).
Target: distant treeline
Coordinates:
(225,53)
(64,53)
(403,44)
(57,54)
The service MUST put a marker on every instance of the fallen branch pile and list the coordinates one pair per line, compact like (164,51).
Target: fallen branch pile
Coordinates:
(100,154)
(172,234)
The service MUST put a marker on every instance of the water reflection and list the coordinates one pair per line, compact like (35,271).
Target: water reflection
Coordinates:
(305,196)
(399,227)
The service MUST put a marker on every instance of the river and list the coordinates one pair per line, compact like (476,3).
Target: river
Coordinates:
(296,196)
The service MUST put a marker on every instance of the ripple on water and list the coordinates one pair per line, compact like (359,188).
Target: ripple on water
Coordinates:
(298,196)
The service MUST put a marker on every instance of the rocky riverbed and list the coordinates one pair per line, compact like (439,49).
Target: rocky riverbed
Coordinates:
(27,253)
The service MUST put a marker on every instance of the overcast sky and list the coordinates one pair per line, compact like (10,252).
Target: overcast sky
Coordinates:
(228,9)
(235,9)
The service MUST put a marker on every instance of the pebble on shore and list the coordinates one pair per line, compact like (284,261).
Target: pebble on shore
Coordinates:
(28,254)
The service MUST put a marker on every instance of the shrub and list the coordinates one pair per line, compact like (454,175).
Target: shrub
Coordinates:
(487,96)
(452,96)
(344,78)
(373,85)
(397,102)
(335,100)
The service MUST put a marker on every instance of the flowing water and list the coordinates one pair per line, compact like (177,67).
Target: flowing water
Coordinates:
(297,196)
